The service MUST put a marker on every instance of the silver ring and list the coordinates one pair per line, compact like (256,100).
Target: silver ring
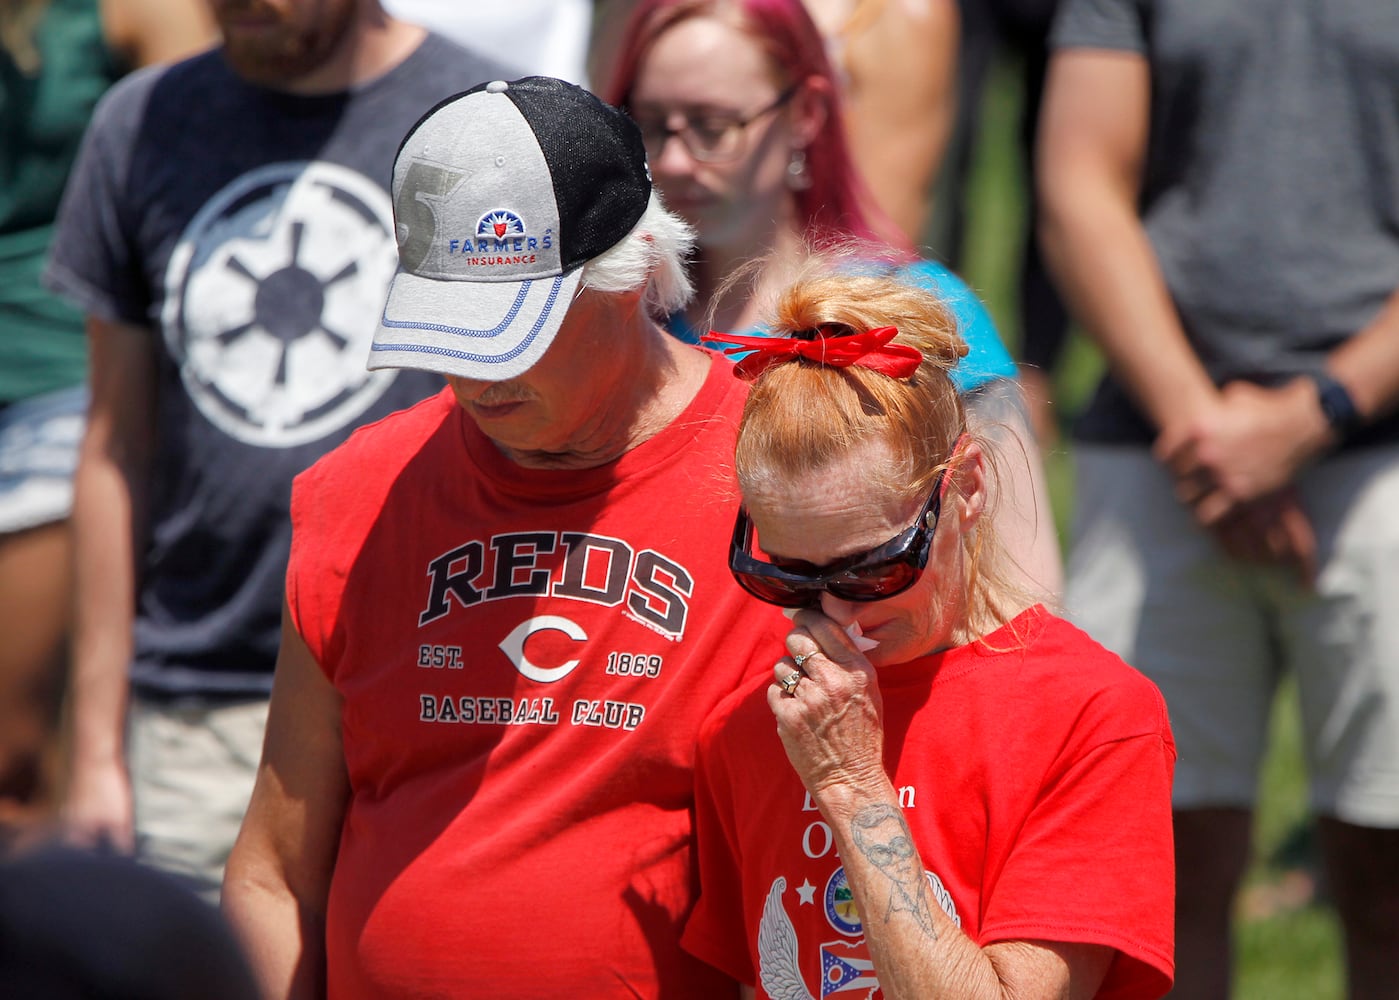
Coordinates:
(789,683)
(800,659)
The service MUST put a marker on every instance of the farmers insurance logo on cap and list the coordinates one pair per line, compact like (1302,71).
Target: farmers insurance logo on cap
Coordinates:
(501,194)
(500,241)
(500,222)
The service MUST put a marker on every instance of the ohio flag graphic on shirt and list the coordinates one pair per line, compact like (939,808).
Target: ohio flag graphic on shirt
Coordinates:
(846,968)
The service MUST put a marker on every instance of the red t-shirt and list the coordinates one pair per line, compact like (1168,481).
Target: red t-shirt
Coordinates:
(525,658)
(1034,769)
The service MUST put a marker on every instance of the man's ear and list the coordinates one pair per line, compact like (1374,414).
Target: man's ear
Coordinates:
(617,305)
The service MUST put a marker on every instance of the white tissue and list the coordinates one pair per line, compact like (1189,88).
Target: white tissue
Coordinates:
(857,636)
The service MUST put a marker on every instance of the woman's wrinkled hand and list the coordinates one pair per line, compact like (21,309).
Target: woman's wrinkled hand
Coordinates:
(832,720)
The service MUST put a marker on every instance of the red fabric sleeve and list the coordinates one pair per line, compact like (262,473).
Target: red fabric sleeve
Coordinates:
(327,525)
(1093,865)
(302,573)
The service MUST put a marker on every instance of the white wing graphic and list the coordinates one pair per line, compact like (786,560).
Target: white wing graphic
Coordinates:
(777,949)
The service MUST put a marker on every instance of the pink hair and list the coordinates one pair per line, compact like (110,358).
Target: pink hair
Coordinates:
(836,207)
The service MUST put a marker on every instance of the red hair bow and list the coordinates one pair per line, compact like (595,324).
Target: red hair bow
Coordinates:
(871,349)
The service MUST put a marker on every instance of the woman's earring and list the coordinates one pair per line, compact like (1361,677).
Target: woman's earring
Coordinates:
(797,177)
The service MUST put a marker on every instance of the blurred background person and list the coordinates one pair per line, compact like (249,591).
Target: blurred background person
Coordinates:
(1220,186)
(57,57)
(1007,39)
(975,795)
(228,231)
(79,925)
(741,113)
(896,64)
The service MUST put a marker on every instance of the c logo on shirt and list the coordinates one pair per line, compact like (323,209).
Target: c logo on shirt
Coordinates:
(513,646)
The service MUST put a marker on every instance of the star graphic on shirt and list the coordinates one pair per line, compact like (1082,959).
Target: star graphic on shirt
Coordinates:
(807,892)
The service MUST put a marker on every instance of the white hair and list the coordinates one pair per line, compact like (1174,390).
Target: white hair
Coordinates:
(652,258)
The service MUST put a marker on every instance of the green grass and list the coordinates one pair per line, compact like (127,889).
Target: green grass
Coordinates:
(1285,949)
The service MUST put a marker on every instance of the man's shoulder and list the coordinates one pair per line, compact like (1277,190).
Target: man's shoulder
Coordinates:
(457,67)
(128,103)
(723,394)
(379,450)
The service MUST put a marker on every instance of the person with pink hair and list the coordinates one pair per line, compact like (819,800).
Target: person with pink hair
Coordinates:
(741,112)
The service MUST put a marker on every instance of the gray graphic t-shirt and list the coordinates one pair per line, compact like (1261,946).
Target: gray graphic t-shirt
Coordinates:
(1270,190)
(252,231)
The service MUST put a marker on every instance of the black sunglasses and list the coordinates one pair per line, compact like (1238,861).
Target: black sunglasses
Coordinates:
(872,575)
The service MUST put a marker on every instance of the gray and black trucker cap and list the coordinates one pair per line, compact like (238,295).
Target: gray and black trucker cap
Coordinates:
(500,195)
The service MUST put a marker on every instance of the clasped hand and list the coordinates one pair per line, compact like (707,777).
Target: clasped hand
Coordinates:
(1234,465)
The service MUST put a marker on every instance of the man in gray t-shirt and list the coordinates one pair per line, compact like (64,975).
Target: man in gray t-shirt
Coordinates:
(228,232)
(1221,195)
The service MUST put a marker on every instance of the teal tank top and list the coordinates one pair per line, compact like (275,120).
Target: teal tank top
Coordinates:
(47,96)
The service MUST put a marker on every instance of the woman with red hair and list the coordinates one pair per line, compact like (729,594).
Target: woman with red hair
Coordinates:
(941,789)
(741,113)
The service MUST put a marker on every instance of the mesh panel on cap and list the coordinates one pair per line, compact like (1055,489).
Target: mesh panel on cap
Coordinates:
(597,162)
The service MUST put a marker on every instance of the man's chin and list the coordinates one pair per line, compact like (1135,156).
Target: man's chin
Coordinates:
(258,62)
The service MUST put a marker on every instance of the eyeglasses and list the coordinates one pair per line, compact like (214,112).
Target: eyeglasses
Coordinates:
(872,575)
(711,137)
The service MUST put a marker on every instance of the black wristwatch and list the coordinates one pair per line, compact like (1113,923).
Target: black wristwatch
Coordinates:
(1336,404)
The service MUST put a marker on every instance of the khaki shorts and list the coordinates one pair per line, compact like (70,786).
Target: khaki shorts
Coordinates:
(1217,635)
(192,768)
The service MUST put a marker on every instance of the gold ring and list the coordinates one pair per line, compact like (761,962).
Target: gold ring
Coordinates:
(789,683)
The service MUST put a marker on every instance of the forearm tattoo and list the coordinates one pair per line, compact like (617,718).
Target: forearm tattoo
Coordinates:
(882,835)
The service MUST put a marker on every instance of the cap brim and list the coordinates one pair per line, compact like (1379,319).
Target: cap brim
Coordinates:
(487,330)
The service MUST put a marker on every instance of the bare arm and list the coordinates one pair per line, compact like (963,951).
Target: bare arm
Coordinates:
(832,730)
(1266,435)
(916,948)
(109,516)
(1093,135)
(901,67)
(278,876)
(151,31)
